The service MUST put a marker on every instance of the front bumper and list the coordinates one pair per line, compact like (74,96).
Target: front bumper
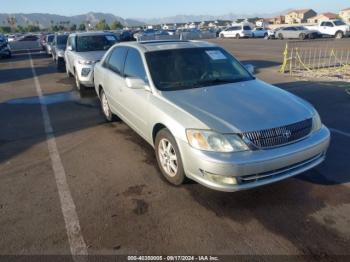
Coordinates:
(255,168)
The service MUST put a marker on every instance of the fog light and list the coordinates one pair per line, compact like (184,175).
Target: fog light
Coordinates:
(85,71)
(226,180)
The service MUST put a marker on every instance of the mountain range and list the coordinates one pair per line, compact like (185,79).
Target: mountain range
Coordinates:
(45,20)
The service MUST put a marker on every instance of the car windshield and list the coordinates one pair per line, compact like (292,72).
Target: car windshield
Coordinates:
(95,42)
(62,39)
(246,27)
(338,22)
(300,28)
(194,68)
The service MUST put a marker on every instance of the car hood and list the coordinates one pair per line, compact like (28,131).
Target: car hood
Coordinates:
(241,107)
(92,56)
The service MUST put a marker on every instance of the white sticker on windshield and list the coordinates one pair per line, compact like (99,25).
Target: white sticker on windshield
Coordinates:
(216,55)
(110,38)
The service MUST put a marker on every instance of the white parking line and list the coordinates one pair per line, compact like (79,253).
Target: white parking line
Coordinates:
(340,132)
(76,240)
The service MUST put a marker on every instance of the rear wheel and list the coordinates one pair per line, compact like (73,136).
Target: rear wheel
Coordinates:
(238,36)
(169,158)
(280,36)
(60,64)
(302,36)
(339,35)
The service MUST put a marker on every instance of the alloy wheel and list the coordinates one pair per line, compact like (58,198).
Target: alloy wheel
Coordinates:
(167,157)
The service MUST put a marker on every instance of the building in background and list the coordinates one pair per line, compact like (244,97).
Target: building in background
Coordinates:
(322,17)
(299,16)
(345,15)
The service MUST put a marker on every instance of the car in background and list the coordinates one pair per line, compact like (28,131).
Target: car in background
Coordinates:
(237,31)
(260,32)
(207,117)
(5,49)
(83,51)
(332,28)
(28,37)
(11,38)
(58,48)
(48,46)
(126,36)
(296,32)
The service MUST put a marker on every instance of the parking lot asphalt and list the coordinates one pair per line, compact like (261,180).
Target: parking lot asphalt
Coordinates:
(122,204)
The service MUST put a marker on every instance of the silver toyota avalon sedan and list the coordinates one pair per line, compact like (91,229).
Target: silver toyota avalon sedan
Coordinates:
(207,117)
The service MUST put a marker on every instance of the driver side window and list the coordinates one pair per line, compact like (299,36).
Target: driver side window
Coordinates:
(134,65)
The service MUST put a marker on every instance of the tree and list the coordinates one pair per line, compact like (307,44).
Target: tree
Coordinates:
(82,27)
(102,25)
(116,25)
(73,27)
(12,21)
(5,29)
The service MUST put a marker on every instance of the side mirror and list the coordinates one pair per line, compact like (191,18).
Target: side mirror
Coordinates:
(69,48)
(250,68)
(137,83)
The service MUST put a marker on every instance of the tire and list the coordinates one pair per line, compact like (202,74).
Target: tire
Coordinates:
(266,35)
(339,35)
(253,36)
(169,158)
(280,36)
(9,54)
(302,36)
(60,65)
(106,110)
(78,85)
(238,36)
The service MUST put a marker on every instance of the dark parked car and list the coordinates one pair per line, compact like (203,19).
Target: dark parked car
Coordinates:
(126,36)
(29,38)
(5,50)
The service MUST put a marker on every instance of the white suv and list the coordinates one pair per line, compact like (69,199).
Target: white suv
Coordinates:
(83,51)
(238,31)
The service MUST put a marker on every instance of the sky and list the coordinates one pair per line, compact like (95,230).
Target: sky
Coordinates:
(163,8)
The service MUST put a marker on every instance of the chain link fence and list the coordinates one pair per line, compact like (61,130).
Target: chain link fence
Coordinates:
(317,58)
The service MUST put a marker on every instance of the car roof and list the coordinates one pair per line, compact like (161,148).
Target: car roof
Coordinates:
(91,33)
(149,46)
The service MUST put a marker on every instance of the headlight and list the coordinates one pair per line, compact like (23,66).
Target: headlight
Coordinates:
(316,122)
(215,142)
(86,62)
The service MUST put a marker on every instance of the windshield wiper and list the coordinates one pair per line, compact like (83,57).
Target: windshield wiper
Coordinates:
(216,81)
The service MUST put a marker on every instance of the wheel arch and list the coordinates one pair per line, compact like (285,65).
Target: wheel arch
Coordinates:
(156,128)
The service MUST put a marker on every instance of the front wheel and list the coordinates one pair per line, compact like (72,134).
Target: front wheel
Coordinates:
(80,87)
(280,36)
(169,158)
(238,36)
(68,72)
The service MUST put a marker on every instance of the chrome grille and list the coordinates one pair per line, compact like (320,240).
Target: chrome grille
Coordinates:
(279,136)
